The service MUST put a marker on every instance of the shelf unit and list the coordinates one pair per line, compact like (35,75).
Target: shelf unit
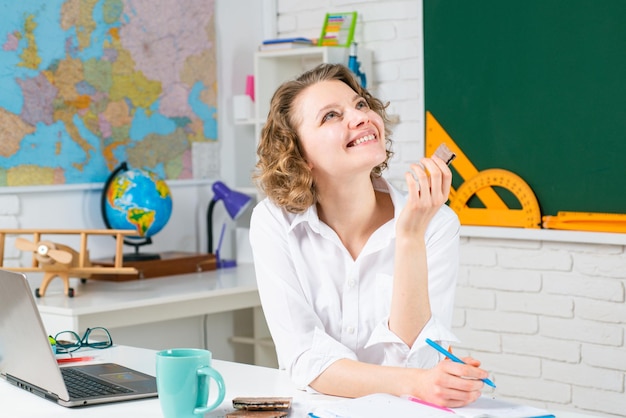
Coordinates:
(272,68)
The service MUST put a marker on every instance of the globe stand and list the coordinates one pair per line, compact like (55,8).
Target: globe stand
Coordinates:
(137,256)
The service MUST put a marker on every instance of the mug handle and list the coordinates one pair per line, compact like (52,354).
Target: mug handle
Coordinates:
(209,372)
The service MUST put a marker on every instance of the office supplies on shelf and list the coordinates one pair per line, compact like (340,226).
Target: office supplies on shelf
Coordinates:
(452,357)
(290,45)
(495,211)
(285,43)
(287,40)
(250,86)
(355,65)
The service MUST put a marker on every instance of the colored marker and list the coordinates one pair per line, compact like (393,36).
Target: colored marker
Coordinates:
(73,359)
(432,405)
(453,358)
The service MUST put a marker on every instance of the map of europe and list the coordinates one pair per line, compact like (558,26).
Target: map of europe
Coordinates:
(88,84)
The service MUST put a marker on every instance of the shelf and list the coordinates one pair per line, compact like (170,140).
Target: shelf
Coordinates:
(552,235)
(302,52)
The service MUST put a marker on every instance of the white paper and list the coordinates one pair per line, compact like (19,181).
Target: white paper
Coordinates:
(384,405)
(205,160)
(489,407)
(377,406)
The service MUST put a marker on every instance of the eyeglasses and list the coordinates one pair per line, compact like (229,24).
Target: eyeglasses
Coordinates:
(96,337)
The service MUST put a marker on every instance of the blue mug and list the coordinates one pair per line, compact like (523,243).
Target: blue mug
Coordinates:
(183,378)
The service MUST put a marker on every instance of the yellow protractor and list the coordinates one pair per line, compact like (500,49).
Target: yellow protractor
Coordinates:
(529,216)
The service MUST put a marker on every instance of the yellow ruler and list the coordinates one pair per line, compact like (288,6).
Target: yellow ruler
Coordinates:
(481,184)
(587,221)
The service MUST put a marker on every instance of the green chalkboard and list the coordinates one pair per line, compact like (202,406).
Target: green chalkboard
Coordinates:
(537,87)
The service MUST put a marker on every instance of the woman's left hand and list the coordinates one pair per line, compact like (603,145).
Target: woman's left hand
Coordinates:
(429,187)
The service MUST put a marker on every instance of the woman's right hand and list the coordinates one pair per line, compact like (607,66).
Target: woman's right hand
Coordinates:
(450,384)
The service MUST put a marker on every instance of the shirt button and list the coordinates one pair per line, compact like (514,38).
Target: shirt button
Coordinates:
(351,283)
(350,330)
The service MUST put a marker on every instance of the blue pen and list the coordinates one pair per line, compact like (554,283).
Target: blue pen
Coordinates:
(453,357)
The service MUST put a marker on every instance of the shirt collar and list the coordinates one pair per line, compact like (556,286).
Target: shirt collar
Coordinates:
(380,183)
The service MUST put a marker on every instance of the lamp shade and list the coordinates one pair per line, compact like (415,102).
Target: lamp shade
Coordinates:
(235,202)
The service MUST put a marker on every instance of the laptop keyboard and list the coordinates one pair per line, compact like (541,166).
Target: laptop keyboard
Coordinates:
(82,385)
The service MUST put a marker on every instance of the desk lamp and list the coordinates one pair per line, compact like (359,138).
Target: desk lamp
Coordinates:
(235,202)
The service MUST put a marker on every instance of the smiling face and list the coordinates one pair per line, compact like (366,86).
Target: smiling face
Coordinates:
(339,133)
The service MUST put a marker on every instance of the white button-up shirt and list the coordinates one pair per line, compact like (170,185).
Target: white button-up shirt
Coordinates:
(321,305)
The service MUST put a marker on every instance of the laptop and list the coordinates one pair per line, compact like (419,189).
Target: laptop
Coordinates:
(27,360)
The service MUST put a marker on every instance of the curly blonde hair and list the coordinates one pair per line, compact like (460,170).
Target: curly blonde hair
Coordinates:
(282,172)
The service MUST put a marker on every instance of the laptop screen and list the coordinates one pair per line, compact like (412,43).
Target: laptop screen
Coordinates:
(25,352)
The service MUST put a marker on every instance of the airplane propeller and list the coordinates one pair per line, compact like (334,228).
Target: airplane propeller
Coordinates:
(45,251)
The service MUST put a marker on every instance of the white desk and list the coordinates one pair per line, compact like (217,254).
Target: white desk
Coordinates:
(240,379)
(138,303)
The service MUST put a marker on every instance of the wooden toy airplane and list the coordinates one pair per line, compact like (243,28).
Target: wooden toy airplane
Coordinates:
(59,260)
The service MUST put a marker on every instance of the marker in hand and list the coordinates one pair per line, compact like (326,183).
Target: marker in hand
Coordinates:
(453,358)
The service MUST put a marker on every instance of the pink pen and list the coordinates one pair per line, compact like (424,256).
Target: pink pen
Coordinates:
(432,405)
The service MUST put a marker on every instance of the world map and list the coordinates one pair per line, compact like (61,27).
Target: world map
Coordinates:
(89,84)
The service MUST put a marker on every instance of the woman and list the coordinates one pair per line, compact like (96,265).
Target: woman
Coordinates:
(354,275)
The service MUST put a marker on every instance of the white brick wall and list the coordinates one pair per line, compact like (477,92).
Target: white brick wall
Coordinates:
(546,317)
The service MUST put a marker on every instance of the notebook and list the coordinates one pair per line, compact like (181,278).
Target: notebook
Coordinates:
(27,360)
(381,404)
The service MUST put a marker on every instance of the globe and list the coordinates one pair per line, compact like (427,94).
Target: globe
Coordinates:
(136,199)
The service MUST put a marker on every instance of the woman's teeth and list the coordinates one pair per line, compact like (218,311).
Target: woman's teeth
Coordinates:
(364,139)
